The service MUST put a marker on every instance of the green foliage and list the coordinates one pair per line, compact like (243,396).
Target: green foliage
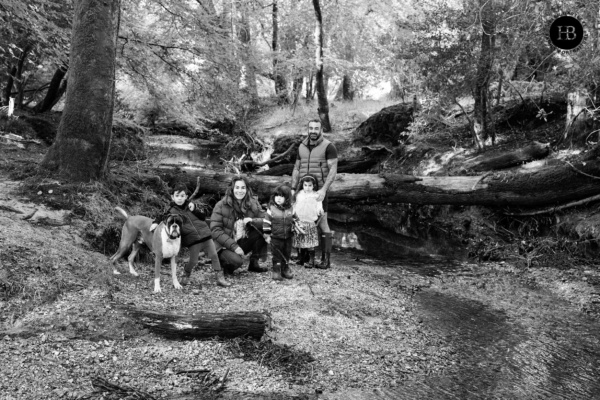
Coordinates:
(43,28)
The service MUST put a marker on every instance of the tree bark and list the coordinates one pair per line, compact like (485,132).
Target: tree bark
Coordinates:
(19,83)
(54,91)
(482,79)
(80,152)
(280,83)
(203,325)
(549,186)
(323,107)
(249,70)
(577,117)
(508,159)
(344,166)
(9,84)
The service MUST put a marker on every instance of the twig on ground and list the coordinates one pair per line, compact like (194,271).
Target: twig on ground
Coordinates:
(9,208)
(191,371)
(28,216)
(102,384)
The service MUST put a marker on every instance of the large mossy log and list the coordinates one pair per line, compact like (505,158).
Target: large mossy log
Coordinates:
(353,166)
(552,185)
(203,325)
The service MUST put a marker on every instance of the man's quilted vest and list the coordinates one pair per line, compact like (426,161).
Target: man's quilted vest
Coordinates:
(314,161)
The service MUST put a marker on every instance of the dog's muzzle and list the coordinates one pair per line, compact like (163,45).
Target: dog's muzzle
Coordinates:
(174,227)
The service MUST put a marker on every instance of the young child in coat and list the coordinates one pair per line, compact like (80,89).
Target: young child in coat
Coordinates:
(308,210)
(195,233)
(278,227)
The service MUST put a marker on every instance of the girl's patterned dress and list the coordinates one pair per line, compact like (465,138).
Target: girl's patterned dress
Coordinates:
(308,210)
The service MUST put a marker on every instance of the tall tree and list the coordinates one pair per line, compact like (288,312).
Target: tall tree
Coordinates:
(484,73)
(80,152)
(278,77)
(323,108)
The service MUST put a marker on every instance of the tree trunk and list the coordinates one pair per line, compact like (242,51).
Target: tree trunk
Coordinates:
(309,87)
(508,159)
(296,90)
(249,70)
(344,166)
(482,80)
(577,117)
(347,91)
(203,325)
(80,152)
(323,107)
(549,186)
(19,83)
(54,91)
(280,83)
(9,84)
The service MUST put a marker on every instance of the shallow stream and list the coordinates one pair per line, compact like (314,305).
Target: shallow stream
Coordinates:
(544,348)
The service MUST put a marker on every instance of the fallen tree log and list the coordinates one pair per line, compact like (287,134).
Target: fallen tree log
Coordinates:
(203,325)
(508,159)
(353,166)
(552,185)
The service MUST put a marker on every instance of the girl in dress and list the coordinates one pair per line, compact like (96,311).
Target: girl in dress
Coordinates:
(308,210)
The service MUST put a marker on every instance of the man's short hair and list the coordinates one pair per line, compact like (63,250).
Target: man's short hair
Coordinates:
(318,121)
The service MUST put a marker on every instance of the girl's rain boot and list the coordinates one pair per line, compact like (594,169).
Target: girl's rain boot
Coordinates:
(286,271)
(311,259)
(276,272)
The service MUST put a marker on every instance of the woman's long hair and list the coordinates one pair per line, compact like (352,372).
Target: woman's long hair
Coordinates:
(306,178)
(247,200)
(286,192)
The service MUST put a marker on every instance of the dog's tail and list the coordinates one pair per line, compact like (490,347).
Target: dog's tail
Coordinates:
(122,212)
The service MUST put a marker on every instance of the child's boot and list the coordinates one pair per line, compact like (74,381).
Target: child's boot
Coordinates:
(254,266)
(286,271)
(220,279)
(301,257)
(276,272)
(185,278)
(311,259)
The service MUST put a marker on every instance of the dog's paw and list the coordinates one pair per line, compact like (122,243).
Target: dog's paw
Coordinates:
(132,272)
(115,272)
(177,285)
(157,290)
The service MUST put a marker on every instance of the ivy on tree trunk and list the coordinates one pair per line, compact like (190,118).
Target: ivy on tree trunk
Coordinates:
(80,152)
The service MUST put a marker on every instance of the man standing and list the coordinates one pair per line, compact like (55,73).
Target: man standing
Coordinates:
(318,156)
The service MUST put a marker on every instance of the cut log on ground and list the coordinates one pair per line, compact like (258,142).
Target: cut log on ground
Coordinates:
(549,186)
(203,325)
(353,166)
(508,159)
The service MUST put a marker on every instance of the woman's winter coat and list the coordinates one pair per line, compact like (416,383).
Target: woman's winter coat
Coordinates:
(223,218)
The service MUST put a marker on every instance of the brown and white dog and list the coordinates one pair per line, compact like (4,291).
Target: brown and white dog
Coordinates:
(164,242)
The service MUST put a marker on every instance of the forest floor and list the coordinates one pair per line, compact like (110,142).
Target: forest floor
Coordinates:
(367,328)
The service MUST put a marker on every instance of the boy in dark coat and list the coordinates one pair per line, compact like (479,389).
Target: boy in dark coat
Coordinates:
(195,234)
